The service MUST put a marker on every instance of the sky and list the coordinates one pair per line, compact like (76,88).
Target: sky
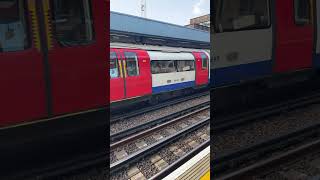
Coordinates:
(171,11)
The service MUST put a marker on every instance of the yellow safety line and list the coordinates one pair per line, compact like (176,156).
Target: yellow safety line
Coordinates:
(206,176)
(34,24)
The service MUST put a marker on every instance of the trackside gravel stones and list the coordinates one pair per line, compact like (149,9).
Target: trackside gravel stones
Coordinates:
(153,164)
(151,116)
(248,134)
(158,135)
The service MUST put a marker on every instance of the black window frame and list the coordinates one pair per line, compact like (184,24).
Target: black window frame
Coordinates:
(207,60)
(296,21)
(137,63)
(174,66)
(28,43)
(117,64)
(73,43)
(215,20)
(192,69)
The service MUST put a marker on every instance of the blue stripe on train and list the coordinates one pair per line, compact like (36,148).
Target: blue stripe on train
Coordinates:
(172,87)
(235,74)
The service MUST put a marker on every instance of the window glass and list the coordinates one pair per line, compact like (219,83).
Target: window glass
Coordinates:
(114,69)
(204,61)
(158,67)
(132,64)
(13,36)
(72,21)
(302,12)
(235,15)
(185,66)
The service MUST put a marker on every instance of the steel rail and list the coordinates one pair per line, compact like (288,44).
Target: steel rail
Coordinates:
(127,132)
(156,128)
(264,112)
(232,160)
(116,117)
(155,147)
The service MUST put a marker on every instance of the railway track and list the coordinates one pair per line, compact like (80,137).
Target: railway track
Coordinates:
(268,154)
(165,141)
(62,164)
(236,160)
(138,110)
(144,120)
(131,146)
(302,163)
(228,122)
(157,160)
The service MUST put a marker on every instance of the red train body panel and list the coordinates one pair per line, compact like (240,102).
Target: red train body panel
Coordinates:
(129,84)
(138,82)
(294,42)
(117,91)
(77,73)
(48,76)
(22,87)
(202,68)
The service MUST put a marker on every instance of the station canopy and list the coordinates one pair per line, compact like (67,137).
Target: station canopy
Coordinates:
(133,29)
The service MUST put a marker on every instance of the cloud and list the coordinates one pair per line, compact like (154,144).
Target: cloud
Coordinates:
(198,8)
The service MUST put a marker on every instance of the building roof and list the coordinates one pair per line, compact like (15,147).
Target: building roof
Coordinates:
(132,24)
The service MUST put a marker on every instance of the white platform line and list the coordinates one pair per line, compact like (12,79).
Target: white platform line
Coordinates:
(189,164)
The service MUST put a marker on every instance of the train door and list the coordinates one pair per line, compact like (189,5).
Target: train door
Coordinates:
(202,68)
(242,45)
(23,91)
(77,44)
(116,78)
(137,73)
(294,43)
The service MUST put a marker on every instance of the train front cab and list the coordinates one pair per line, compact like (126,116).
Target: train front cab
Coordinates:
(52,66)
(130,75)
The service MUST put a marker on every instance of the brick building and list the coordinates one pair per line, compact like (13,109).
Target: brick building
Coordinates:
(202,22)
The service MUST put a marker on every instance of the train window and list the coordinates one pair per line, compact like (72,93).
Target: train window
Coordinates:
(159,67)
(114,69)
(302,13)
(204,59)
(185,66)
(236,15)
(72,21)
(132,64)
(13,32)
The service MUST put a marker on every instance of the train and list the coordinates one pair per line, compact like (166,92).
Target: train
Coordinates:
(264,40)
(263,45)
(52,67)
(150,72)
